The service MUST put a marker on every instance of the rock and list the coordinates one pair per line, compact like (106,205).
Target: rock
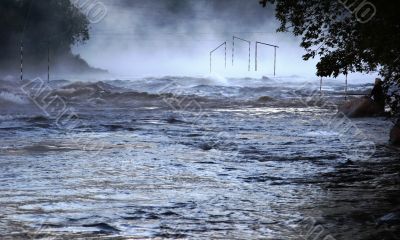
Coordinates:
(103,227)
(395,135)
(173,120)
(362,107)
(349,162)
(206,146)
(265,99)
(392,218)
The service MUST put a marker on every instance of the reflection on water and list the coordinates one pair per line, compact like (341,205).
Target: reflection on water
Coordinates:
(235,173)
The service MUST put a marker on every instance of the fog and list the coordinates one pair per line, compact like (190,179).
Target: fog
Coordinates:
(144,38)
(170,37)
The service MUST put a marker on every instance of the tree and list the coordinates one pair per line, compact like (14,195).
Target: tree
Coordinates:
(40,24)
(348,36)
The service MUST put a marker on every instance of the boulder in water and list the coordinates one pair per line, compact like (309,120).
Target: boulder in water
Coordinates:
(205,147)
(266,99)
(392,218)
(361,107)
(172,120)
(395,135)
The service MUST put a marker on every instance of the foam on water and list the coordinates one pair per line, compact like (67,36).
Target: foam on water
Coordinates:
(138,166)
(12,98)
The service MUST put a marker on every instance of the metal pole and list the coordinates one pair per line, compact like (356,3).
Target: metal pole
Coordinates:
(210,62)
(320,86)
(255,62)
(22,59)
(346,88)
(249,55)
(274,46)
(48,62)
(214,51)
(233,50)
(274,61)
(225,55)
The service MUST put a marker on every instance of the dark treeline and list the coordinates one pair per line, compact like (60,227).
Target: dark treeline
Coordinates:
(41,24)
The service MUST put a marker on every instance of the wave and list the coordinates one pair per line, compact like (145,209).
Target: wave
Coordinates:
(152,91)
(101,93)
(7,97)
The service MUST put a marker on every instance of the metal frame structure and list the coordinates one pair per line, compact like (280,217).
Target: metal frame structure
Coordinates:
(256,55)
(22,60)
(214,51)
(233,49)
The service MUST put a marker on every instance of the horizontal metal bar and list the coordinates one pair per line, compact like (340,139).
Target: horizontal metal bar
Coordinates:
(218,47)
(267,44)
(242,39)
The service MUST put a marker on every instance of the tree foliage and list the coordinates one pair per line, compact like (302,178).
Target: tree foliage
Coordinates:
(40,23)
(348,36)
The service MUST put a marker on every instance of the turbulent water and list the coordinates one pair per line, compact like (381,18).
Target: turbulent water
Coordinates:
(192,158)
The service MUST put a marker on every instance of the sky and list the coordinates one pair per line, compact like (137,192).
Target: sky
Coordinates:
(139,38)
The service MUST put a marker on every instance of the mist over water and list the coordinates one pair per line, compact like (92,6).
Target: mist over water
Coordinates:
(155,38)
(174,38)
(166,38)
(160,148)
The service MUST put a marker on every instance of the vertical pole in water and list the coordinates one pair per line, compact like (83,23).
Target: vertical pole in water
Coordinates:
(346,88)
(48,62)
(320,86)
(274,61)
(225,43)
(22,59)
(210,62)
(249,56)
(233,49)
(225,55)
(255,61)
